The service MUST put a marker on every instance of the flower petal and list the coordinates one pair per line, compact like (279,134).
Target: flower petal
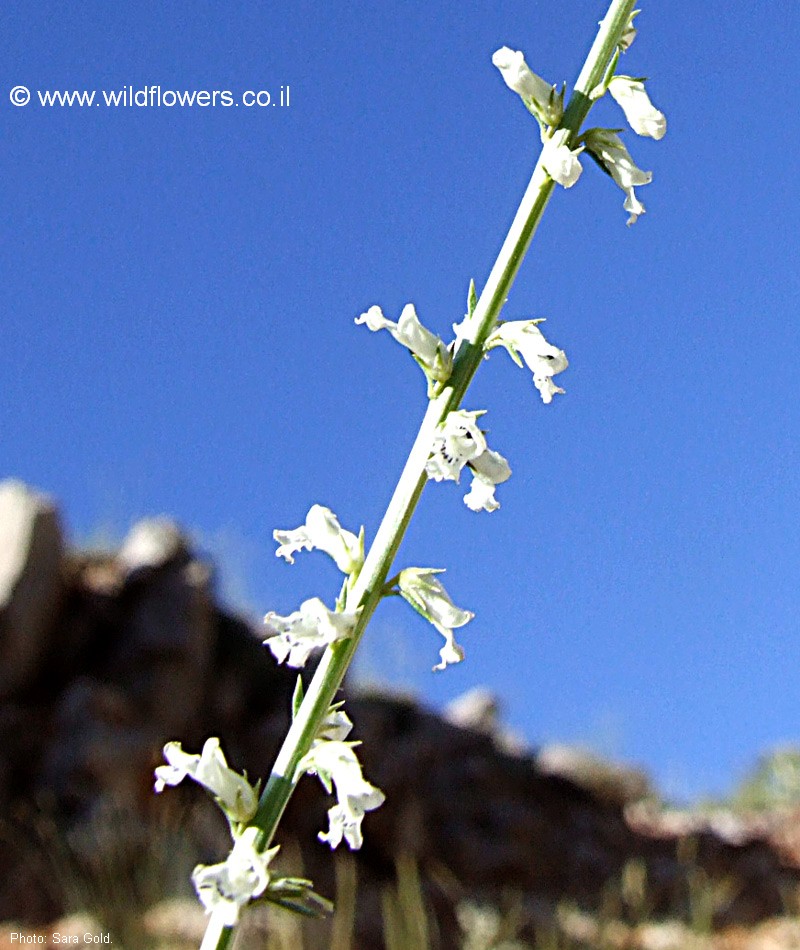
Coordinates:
(322,532)
(294,637)
(607,147)
(634,206)
(488,470)
(524,338)
(642,115)
(450,653)
(227,887)
(458,439)
(559,160)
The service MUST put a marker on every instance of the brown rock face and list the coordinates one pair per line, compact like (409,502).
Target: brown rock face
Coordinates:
(106,658)
(31,558)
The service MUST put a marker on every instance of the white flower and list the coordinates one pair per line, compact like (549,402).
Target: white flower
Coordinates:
(536,93)
(429,351)
(336,762)
(610,152)
(488,470)
(642,115)
(234,794)
(524,338)
(323,532)
(426,594)
(293,638)
(559,160)
(225,888)
(458,440)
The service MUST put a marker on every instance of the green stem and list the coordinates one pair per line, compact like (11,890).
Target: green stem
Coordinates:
(368,588)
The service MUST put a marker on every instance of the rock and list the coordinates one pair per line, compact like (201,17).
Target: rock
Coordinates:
(610,782)
(151,543)
(479,709)
(476,709)
(31,561)
(133,650)
(177,923)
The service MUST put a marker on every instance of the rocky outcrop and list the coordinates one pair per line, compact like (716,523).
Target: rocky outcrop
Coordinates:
(105,657)
(31,554)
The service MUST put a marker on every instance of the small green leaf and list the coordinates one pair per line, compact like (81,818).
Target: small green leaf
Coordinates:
(297,697)
(472,299)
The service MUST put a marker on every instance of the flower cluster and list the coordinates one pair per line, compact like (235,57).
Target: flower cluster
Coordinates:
(319,746)
(224,888)
(560,150)
(293,638)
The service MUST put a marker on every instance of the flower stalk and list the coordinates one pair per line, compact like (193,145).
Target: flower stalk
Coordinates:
(363,596)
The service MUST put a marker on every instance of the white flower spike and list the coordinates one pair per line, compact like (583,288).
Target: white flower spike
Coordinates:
(234,794)
(523,338)
(293,638)
(607,147)
(488,471)
(642,115)
(227,887)
(323,532)
(559,160)
(428,350)
(426,594)
(458,440)
(537,94)
(336,762)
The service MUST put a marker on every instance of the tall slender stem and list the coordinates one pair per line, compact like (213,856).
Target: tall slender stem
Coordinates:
(368,588)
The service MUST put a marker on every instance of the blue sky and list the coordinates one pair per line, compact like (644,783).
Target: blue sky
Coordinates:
(179,287)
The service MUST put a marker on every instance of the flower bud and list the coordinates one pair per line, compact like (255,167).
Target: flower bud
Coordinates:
(536,93)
